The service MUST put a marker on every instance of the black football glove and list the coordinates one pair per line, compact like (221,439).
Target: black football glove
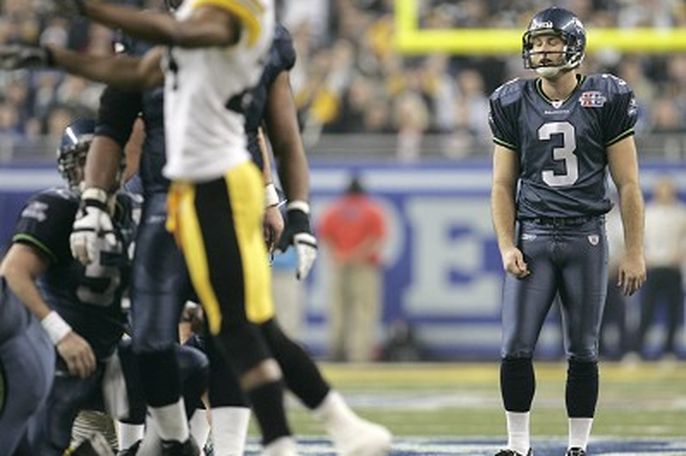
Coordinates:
(299,234)
(16,56)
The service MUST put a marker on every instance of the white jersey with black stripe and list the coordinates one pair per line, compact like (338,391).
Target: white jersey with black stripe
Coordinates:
(204,93)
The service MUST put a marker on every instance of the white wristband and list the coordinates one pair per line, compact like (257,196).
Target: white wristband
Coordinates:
(56,328)
(299,205)
(95,193)
(271,198)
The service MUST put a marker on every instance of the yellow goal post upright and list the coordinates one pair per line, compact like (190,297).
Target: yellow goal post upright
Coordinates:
(411,39)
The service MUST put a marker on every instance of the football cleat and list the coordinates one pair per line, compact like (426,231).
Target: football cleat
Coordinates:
(514,453)
(174,448)
(363,438)
(576,451)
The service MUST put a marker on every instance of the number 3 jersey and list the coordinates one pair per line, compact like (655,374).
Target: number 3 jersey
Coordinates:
(561,145)
(86,297)
(206,90)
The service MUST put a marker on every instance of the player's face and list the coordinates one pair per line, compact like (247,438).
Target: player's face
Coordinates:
(547,50)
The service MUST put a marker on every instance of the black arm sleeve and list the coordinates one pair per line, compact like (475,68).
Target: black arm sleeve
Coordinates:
(117,113)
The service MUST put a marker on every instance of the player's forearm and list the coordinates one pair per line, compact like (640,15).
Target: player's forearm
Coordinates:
(503,215)
(631,207)
(122,71)
(103,164)
(163,28)
(24,287)
(294,173)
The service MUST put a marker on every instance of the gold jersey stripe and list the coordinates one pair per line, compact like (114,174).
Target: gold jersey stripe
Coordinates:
(248,11)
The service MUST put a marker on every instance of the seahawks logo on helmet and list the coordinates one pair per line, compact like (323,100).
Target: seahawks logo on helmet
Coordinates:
(560,22)
(71,153)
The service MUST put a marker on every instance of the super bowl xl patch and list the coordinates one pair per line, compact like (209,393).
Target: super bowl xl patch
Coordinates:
(592,99)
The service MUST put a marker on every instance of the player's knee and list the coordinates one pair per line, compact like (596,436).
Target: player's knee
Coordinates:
(244,347)
(516,351)
(587,354)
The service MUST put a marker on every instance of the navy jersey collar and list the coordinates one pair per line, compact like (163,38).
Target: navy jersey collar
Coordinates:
(580,78)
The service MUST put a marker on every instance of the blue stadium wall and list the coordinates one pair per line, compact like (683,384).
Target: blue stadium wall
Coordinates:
(442,266)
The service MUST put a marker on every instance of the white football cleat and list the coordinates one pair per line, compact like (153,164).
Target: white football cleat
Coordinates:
(361,438)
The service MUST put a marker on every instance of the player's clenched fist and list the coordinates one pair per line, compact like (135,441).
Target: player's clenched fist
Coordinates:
(92,222)
(513,262)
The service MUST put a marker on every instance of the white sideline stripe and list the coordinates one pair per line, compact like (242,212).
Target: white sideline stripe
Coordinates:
(19,180)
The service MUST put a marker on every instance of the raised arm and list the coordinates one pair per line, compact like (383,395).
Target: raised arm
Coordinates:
(207,26)
(122,71)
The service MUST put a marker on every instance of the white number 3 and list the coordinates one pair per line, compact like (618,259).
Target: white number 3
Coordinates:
(566,153)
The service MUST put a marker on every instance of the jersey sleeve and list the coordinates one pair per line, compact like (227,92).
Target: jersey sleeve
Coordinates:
(45,223)
(117,113)
(620,112)
(247,11)
(284,46)
(502,119)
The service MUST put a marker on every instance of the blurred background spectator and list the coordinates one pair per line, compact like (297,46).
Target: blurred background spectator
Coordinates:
(353,229)
(665,243)
(349,79)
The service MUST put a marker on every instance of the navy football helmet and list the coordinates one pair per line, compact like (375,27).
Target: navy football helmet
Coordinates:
(561,22)
(71,154)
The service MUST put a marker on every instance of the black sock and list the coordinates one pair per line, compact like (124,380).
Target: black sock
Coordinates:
(517,384)
(582,388)
(302,376)
(267,403)
(159,373)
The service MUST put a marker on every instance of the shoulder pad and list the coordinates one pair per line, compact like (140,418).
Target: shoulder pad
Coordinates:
(611,83)
(509,92)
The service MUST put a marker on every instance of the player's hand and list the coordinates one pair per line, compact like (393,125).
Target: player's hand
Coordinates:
(632,274)
(78,355)
(513,262)
(299,234)
(16,56)
(273,226)
(92,222)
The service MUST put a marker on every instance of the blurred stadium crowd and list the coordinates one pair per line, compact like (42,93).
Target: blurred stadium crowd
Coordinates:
(349,79)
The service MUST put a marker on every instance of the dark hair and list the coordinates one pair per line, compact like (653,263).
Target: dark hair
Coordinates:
(355,186)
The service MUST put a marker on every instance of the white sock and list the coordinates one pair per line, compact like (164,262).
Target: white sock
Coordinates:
(200,427)
(170,421)
(518,431)
(283,446)
(579,432)
(333,411)
(128,434)
(229,430)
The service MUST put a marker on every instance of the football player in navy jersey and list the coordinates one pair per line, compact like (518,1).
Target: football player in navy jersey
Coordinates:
(555,138)
(79,306)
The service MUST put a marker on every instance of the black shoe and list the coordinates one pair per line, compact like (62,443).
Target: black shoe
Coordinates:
(174,448)
(130,451)
(576,451)
(513,453)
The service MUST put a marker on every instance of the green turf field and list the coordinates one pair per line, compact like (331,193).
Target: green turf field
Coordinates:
(463,400)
